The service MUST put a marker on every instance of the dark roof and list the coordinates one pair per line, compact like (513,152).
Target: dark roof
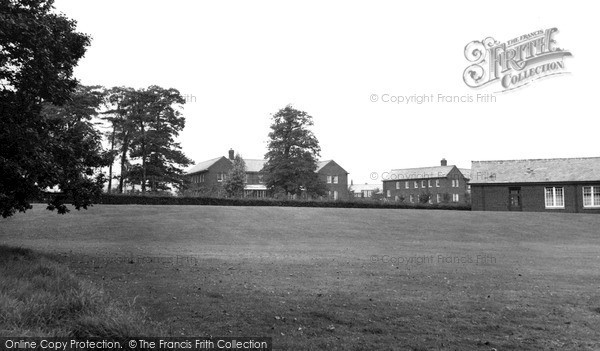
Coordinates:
(536,171)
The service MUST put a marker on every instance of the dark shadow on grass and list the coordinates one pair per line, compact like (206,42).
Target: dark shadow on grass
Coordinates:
(40,297)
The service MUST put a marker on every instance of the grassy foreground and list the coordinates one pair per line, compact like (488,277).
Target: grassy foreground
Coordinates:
(39,297)
(340,279)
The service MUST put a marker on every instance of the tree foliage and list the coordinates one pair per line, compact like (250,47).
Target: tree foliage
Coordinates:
(143,125)
(236,178)
(292,154)
(46,137)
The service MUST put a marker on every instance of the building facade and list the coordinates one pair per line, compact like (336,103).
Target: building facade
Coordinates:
(207,177)
(439,184)
(365,191)
(336,179)
(541,185)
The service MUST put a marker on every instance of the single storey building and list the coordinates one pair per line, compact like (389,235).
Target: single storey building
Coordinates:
(551,185)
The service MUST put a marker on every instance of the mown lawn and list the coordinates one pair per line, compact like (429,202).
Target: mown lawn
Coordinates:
(338,279)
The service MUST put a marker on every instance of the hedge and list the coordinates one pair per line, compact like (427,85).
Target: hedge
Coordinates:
(114,199)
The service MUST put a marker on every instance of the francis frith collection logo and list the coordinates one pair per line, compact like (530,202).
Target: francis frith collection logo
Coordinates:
(514,63)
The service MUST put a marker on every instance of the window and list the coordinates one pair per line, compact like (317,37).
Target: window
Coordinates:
(406,185)
(335,195)
(416,184)
(429,183)
(389,193)
(437,183)
(455,197)
(328,179)
(397,185)
(591,196)
(430,200)
(260,179)
(396,198)
(411,198)
(422,184)
(555,197)
(455,183)
(335,179)
(201,178)
(438,197)
(220,177)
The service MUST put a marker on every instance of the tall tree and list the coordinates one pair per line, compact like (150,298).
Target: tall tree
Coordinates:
(119,129)
(144,125)
(292,154)
(159,121)
(236,178)
(42,149)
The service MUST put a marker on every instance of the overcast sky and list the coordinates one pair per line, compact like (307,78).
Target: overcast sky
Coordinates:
(241,61)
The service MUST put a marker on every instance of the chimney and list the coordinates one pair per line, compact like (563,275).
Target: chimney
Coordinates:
(231,154)
(444,162)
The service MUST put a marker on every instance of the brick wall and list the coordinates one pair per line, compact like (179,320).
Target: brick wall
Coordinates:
(495,197)
(333,169)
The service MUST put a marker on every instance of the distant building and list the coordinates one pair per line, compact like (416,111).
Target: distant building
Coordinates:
(552,185)
(439,184)
(207,177)
(336,179)
(365,191)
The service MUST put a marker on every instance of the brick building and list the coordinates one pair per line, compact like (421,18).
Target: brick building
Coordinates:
(551,185)
(336,179)
(207,177)
(365,191)
(439,184)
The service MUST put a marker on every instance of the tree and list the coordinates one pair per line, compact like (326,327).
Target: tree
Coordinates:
(46,137)
(145,123)
(119,132)
(292,155)
(236,178)
(424,197)
(164,159)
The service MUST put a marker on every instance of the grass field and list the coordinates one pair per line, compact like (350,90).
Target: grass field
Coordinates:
(339,279)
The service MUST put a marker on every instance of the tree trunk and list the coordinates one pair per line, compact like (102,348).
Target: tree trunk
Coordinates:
(112,148)
(123,160)
(143,157)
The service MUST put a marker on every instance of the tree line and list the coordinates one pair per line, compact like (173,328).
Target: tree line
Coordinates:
(49,131)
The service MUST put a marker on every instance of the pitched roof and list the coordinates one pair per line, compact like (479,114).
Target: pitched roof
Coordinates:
(321,164)
(466,172)
(252,165)
(203,166)
(419,173)
(361,187)
(536,171)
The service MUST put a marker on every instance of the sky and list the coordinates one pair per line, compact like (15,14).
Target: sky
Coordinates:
(239,62)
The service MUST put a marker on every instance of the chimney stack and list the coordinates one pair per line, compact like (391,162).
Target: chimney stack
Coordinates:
(231,154)
(444,162)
